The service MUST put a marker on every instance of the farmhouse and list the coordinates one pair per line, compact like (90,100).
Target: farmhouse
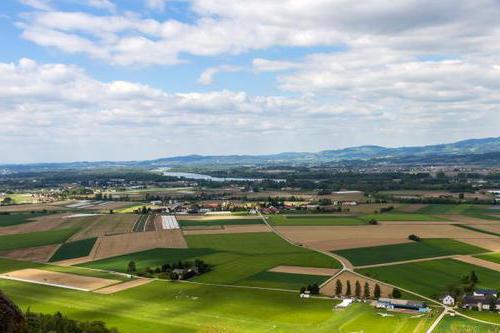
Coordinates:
(480,302)
(391,304)
(484,292)
(447,300)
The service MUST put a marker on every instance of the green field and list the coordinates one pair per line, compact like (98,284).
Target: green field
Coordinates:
(235,257)
(17,218)
(426,248)
(76,249)
(402,217)
(493,257)
(444,209)
(200,223)
(182,307)
(462,325)
(431,278)
(32,239)
(285,280)
(290,220)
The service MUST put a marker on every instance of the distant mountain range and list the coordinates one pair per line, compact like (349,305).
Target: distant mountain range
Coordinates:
(474,151)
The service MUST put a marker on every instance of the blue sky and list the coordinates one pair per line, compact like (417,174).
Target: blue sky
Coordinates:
(120,80)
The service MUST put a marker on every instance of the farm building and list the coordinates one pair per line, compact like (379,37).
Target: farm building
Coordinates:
(484,292)
(447,300)
(480,302)
(391,304)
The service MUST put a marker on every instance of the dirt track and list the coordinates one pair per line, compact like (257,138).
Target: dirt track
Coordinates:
(304,270)
(344,237)
(479,262)
(110,246)
(229,229)
(59,279)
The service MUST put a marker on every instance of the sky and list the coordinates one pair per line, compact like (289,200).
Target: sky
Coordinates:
(132,80)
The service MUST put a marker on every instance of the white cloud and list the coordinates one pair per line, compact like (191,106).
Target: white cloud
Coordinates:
(207,76)
(54,110)
(222,27)
(265,65)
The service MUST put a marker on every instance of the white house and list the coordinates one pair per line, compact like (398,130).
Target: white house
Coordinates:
(448,300)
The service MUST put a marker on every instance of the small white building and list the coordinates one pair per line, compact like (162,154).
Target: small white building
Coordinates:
(448,300)
(345,303)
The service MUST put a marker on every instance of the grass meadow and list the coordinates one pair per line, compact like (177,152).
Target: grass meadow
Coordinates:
(493,257)
(430,278)
(32,239)
(183,307)
(318,220)
(17,218)
(426,248)
(76,249)
(235,258)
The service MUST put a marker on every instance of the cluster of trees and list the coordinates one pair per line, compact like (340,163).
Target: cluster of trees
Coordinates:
(313,289)
(467,285)
(364,292)
(166,271)
(414,238)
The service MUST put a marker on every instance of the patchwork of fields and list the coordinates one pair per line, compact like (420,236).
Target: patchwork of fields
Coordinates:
(244,252)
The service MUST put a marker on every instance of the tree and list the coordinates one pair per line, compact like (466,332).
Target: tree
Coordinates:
(493,303)
(302,290)
(313,289)
(357,289)
(348,291)
(338,287)
(376,291)
(373,222)
(366,291)
(396,293)
(473,278)
(414,238)
(131,267)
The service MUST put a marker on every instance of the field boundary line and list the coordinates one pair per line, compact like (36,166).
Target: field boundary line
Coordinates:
(437,321)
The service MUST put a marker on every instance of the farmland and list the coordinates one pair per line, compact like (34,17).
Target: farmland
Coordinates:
(235,257)
(237,310)
(460,324)
(493,257)
(19,241)
(17,218)
(304,220)
(76,249)
(217,222)
(430,278)
(425,248)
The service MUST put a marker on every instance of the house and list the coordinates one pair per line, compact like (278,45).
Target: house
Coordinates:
(391,304)
(448,300)
(305,294)
(485,292)
(480,303)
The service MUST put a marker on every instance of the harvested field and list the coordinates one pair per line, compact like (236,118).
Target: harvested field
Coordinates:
(345,237)
(149,225)
(104,225)
(462,219)
(139,224)
(58,279)
(228,229)
(213,217)
(37,254)
(304,270)
(328,288)
(479,262)
(116,245)
(123,286)
(30,207)
(492,244)
(42,223)
(494,228)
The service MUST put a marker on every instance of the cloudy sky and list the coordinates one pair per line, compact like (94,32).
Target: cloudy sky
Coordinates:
(129,80)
